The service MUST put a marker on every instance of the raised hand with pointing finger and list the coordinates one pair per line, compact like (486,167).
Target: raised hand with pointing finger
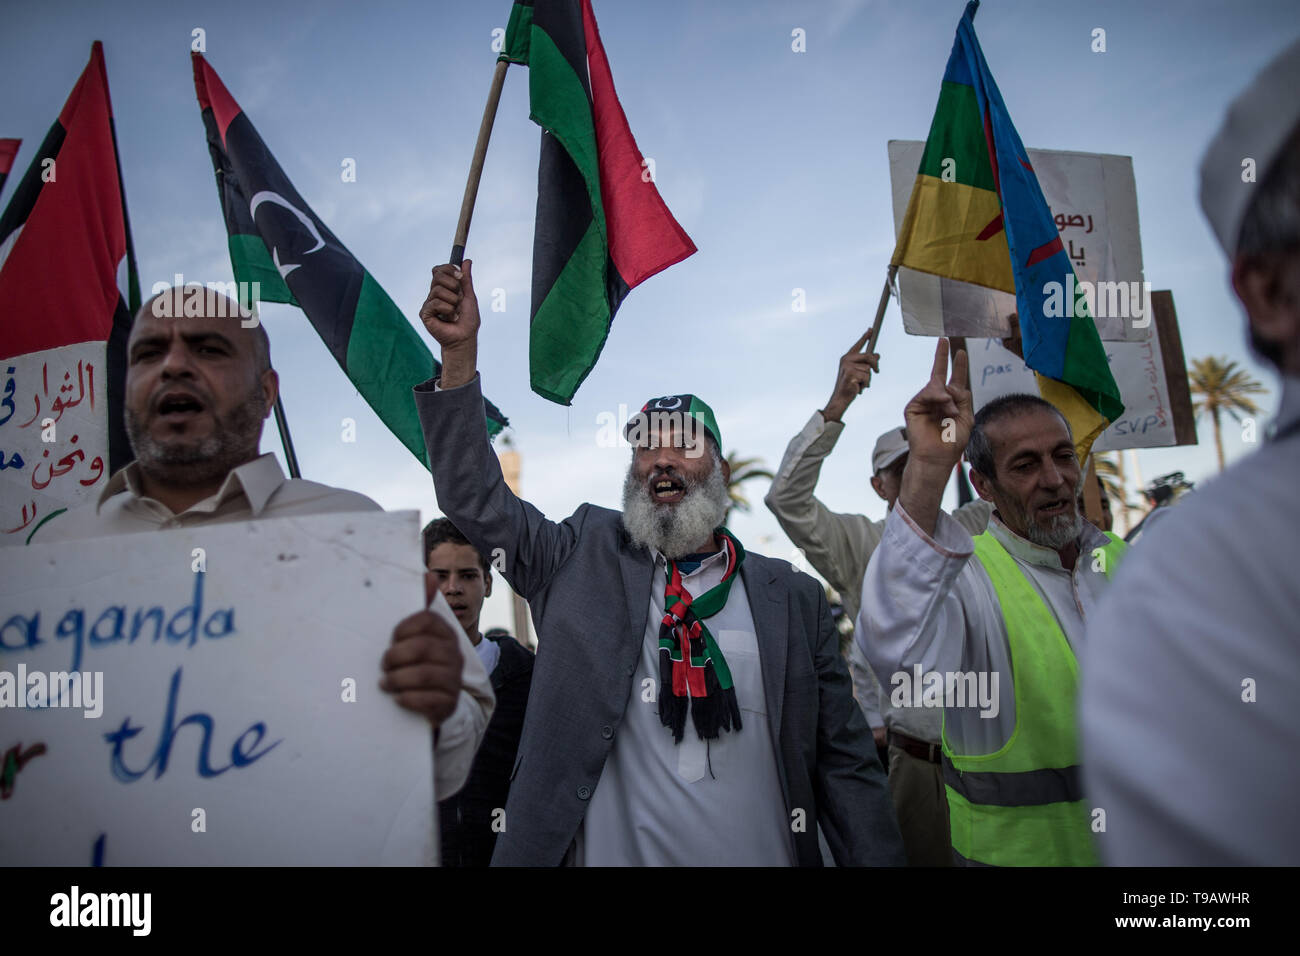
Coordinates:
(939,420)
(854,375)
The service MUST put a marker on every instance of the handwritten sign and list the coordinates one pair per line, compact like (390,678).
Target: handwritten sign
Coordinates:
(1148,420)
(1093,199)
(240,719)
(53,435)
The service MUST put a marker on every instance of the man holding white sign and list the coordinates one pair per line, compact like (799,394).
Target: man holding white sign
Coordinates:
(238,723)
(197,391)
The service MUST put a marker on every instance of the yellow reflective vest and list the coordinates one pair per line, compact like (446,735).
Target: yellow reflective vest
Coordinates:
(1023,804)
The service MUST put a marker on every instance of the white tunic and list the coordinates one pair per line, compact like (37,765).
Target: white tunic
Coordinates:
(1190,705)
(840,546)
(926,603)
(657,802)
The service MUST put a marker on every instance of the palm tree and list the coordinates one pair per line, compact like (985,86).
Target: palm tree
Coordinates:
(1112,481)
(1219,387)
(742,470)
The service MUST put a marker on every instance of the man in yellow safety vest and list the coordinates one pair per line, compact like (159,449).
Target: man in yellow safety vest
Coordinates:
(994,641)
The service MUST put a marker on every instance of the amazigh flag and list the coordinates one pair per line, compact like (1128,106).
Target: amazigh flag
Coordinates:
(63,236)
(277,241)
(8,150)
(602,228)
(978,215)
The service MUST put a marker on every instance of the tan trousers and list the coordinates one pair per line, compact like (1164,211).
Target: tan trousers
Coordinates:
(922,808)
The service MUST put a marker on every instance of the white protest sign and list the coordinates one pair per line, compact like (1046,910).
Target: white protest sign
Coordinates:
(240,718)
(53,435)
(1093,199)
(1148,419)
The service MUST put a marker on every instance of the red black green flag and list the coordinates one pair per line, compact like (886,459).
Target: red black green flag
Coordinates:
(277,241)
(602,227)
(63,235)
(8,150)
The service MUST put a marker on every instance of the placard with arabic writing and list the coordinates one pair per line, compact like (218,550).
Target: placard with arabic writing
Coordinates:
(1093,199)
(53,435)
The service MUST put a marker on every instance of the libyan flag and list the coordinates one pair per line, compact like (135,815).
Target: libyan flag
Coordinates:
(977,214)
(63,236)
(8,150)
(277,241)
(602,228)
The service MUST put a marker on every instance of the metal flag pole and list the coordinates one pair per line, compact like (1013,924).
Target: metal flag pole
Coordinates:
(281,423)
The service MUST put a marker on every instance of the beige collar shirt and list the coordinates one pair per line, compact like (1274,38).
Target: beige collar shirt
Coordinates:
(256,489)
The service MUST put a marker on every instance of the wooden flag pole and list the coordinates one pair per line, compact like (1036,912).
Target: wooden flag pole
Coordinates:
(476,165)
(880,309)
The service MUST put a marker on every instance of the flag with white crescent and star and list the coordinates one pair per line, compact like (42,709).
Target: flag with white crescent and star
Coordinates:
(278,242)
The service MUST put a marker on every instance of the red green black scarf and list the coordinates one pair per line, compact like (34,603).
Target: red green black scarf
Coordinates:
(691,666)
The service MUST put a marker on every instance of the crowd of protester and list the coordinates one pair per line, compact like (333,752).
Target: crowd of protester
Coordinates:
(1042,693)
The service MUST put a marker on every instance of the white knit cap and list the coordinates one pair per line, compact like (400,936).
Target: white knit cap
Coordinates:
(890,447)
(1258,123)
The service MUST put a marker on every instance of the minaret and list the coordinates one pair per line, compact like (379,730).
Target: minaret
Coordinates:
(511,468)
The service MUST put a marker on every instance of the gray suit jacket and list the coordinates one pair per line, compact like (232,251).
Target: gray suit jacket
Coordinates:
(589,589)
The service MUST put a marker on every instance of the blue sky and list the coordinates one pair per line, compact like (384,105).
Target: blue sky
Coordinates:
(773,161)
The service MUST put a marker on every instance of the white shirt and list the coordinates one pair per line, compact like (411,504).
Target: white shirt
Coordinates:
(1190,706)
(489,652)
(656,803)
(925,602)
(840,546)
(259,489)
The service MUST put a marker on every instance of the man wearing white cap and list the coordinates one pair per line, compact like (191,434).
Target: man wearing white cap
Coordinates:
(1188,706)
(839,547)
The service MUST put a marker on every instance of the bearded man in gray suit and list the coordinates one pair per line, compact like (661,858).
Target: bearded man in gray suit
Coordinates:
(644,618)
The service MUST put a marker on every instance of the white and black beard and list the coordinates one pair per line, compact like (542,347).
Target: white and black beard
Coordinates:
(1063,530)
(675,530)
